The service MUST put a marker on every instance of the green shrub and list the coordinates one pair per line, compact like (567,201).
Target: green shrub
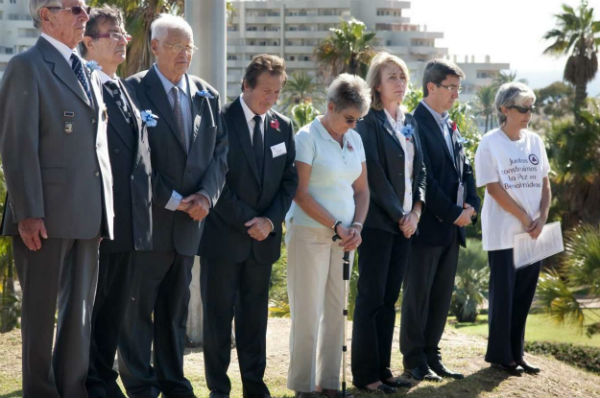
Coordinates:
(581,356)
(471,283)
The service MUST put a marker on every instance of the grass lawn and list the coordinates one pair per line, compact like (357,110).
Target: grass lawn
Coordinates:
(540,327)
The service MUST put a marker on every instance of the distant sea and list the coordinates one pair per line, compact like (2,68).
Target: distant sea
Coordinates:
(539,79)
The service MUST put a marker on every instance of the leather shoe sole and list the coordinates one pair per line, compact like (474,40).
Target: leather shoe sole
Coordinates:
(445,372)
(397,383)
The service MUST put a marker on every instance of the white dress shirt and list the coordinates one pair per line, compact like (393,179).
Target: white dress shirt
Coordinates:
(408,147)
(249,114)
(442,121)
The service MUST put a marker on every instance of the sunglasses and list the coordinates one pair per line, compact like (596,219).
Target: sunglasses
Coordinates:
(351,120)
(522,109)
(75,10)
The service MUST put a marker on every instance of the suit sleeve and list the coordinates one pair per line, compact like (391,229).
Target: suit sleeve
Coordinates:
(419,170)
(470,187)
(214,178)
(438,202)
(380,187)
(19,139)
(287,188)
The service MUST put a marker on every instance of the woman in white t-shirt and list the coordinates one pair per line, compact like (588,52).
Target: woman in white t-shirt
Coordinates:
(511,163)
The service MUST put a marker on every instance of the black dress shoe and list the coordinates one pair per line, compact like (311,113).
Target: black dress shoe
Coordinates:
(382,388)
(443,371)
(397,382)
(421,373)
(513,370)
(528,368)
(214,394)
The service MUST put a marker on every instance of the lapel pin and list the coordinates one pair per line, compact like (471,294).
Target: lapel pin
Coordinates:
(68,127)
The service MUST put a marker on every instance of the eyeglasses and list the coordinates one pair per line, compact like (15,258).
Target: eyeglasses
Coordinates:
(113,35)
(189,49)
(351,120)
(452,88)
(522,109)
(75,10)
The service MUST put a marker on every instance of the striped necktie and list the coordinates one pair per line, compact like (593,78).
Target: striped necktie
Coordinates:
(78,69)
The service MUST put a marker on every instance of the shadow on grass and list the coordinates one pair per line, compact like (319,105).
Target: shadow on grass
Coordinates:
(16,393)
(472,386)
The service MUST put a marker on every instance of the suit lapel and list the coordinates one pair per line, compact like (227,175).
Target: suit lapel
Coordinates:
(157,96)
(61,69)
(134,110)
(272,138)
(385,123)
(433,126)
(117,120)
(240,126)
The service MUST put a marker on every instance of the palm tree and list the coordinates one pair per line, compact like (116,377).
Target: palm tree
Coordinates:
(138,15)
(485,104)
(349,49)
(578,36)
(299,88)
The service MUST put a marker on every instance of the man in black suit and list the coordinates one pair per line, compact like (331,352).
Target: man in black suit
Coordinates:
(189,162)
(451,204)
(243,233)
(105,42)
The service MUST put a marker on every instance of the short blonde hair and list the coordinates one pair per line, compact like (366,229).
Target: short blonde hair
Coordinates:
(378,62)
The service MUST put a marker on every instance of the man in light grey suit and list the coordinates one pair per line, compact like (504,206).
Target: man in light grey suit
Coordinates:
(189,160)
(59,202)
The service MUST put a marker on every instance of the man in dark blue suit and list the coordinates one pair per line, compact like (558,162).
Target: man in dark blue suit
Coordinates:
(243,233)
(105,42)
(452,204)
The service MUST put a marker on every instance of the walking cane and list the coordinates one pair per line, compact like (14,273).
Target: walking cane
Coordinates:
(346,278)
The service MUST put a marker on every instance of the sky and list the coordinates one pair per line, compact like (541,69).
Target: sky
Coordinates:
(507,30)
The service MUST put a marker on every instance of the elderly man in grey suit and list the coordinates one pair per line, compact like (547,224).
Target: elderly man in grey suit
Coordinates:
(189,159)
(54,151)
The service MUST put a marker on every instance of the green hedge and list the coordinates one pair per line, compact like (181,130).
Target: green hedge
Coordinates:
(582,356)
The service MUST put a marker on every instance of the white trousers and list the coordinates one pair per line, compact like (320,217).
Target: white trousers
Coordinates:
(315,290)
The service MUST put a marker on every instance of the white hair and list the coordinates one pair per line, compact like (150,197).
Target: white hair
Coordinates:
(347,91)
(36,5)
(161,25)
(512,93)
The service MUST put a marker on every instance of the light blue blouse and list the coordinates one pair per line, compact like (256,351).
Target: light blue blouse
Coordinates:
(334,169)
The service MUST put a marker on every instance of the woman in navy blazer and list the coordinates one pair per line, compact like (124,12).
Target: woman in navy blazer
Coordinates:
(396,175)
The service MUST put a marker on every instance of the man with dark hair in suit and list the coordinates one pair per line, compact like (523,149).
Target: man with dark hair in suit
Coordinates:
(105,42)
(452,204)
(189,163)
(59,204)
(243,233)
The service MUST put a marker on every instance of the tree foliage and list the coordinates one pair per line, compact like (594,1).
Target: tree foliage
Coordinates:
(300,88)
(576,35)
(349,48)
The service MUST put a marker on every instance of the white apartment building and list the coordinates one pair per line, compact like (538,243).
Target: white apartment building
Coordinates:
(17,33)
(292,28)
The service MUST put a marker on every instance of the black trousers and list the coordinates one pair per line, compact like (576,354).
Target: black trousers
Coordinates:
(156,318)
(240,290)
(510,296)
(382,259)
(427,292)
(63,271)
(112,295)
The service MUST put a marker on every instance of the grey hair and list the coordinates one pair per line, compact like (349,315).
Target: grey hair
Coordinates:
(512,93)
(36,5)
(161,25)
(347,91)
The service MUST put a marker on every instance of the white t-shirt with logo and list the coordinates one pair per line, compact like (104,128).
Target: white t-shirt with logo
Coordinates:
(520,167)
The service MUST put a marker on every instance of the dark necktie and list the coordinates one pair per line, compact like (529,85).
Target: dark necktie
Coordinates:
(178,115)
(257,143)
(78,69)
(117,94)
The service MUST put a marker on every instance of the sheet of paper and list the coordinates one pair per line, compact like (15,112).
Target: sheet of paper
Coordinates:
(528,250)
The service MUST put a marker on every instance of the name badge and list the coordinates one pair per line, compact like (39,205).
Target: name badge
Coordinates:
(278,149)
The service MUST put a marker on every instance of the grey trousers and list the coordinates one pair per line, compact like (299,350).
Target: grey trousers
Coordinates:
(63,271)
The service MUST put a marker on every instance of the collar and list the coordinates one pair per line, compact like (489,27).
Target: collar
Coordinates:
(105,78)
(62,48)
(167,85)
(248,114)
(440,118)
(400,118)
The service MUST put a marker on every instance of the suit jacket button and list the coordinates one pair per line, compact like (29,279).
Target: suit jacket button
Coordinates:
(93,121)
(131,177)
(116,150)
(97,174)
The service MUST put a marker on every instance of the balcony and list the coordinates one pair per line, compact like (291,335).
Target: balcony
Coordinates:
(300,64)
(298,49)
(260,20)
(306,34)
(260,34)
(333,19)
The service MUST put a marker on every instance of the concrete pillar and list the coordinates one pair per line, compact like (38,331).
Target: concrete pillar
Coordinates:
(208,19)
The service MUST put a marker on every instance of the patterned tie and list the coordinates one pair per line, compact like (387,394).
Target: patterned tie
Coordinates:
(78,69)
(116,92)
(257,143)
(178,114)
